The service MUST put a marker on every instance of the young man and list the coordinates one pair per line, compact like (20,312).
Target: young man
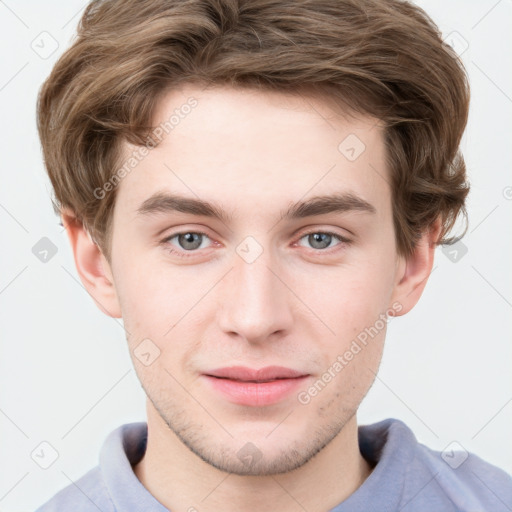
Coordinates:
(255,187)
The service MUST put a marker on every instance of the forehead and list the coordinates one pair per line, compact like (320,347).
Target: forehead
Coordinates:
(249,150)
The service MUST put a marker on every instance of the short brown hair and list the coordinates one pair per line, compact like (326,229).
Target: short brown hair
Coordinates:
(384,58)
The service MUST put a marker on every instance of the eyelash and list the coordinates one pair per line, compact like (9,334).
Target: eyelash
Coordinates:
(343,240)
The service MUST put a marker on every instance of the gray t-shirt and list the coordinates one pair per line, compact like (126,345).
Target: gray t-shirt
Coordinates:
(407,477)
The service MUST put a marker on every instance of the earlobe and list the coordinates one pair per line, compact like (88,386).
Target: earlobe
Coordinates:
(92,266)
(413,272)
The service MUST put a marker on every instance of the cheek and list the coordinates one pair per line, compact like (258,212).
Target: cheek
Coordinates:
(355,309)
(354,297)
(165,306)
(158,299)
(147,290)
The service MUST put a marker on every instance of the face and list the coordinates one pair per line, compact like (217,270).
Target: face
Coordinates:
(254,260)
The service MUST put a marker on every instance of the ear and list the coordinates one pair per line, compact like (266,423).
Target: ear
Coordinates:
(414,271)
(92,266)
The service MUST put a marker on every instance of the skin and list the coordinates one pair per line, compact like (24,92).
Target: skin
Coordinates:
(298,305)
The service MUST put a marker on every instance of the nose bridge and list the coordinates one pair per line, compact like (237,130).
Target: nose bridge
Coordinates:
(256,303)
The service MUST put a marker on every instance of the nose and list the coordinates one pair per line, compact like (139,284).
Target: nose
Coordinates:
(256,303)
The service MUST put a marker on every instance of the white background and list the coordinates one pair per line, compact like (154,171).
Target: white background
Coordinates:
(66,376)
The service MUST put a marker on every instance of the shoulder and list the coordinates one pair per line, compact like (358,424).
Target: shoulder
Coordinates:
(466,479)
(87,494)
(461,478)
(421,478)
(111,484)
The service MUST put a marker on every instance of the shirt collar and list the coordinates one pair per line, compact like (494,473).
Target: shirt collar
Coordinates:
(123,448)
(388,444)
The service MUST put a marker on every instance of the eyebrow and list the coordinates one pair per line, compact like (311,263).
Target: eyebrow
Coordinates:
(320,205)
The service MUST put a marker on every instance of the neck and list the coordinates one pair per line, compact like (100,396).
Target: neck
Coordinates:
(180,480)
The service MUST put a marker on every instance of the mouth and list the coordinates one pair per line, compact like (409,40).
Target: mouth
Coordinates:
(256,388)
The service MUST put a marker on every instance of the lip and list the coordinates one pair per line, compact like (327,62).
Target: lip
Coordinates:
(255,387)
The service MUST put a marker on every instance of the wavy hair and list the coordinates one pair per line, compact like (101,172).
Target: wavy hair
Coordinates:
(383,58)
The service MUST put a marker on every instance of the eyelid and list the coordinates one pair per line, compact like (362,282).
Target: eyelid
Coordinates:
(184,232)
(344,241)
(181,253)
(325,232)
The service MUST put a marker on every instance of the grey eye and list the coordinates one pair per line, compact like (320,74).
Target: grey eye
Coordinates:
(188,241)
(319,240)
